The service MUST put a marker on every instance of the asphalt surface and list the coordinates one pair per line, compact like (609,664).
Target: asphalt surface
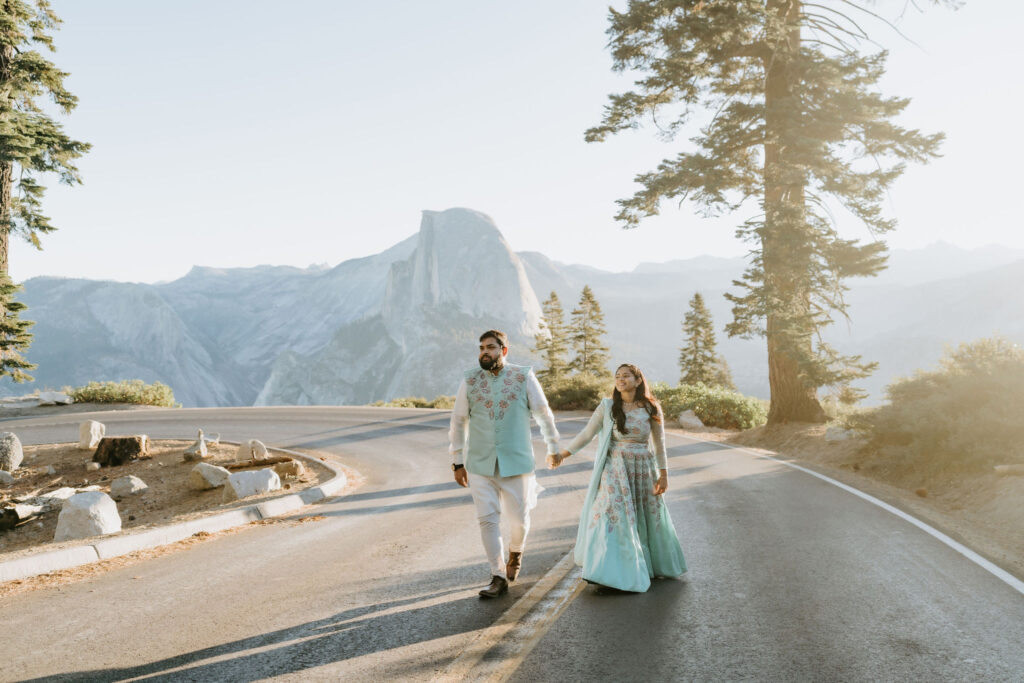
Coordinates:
(790,578)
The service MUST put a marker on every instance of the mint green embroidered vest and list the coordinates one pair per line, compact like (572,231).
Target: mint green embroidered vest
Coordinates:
(499,422)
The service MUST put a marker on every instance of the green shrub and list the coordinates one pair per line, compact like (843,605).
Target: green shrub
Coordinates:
(715,406)
(577,392)
(967,411)
(445,402)
(126,391)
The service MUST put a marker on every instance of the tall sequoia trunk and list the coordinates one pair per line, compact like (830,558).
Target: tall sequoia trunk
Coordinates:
(785,267)
(6,166)
(6,180)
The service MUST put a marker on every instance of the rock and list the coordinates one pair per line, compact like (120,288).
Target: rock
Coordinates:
(292,468)
(252,449)
(199,449)
(252,483)
(834,433)
(206,476)
(11,454)
(118,450)
(52,398)
(90,432)
(51,470)
(126,486)
(91,466)
(92,513)
(6,478)
(52,500)
(689,420)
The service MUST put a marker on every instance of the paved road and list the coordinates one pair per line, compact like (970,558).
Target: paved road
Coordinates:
(791,578)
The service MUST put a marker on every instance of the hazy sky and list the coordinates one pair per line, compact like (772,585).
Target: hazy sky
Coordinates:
(244,132)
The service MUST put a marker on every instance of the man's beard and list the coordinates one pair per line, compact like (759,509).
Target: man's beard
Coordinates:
(491,363)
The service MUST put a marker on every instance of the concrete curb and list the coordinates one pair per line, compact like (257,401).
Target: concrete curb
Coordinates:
(106,548)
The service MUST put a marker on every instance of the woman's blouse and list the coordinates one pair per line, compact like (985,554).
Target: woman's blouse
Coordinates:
(639,427)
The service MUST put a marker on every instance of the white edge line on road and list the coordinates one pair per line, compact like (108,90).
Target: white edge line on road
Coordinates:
(985,564)
(104,549)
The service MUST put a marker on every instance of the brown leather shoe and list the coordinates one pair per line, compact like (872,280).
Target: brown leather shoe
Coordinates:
(514,564)
(498,587)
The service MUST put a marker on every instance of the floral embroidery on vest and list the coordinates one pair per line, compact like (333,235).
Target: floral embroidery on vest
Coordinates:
(509,390)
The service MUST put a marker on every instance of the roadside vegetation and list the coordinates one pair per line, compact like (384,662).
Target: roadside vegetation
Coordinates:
(443,402)
(967,410)
(716,406)
(125,391)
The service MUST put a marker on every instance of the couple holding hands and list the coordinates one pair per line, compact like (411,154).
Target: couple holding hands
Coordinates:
(626,536)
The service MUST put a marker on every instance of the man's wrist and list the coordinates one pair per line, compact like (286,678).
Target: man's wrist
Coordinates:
(456,466)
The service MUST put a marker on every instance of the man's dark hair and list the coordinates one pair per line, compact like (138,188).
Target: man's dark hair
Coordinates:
(497,336)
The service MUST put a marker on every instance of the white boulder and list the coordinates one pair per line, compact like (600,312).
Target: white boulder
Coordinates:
(292,468)
(92,513)
(198,450)
(51,398)
(127,486)
(206,476)
(6,478)
(91,466)
(251,483)
(55,498)
(11,453)
(253,449)
(90,432)
(689,420)
(834,433)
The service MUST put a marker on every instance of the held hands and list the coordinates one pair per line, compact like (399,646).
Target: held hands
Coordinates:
(555,459)
(661,485)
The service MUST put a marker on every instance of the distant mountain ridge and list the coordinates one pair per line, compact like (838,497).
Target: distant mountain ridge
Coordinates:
(405,321)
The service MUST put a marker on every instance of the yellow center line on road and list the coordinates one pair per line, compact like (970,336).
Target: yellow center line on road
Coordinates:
(500,649)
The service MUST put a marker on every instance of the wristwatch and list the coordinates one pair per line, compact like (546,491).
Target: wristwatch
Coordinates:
(456,468)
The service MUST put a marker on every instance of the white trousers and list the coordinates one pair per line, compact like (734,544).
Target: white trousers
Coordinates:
(518,495)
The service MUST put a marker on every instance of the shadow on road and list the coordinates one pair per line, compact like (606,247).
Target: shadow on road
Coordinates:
(351,633)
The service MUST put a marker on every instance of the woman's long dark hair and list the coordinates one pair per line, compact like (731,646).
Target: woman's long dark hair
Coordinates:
(643,396)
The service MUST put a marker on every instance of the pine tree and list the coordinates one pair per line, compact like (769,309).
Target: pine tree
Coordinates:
(586,330)
(14,335)
(698,360)
(30,141)
(796,125)
(553,342)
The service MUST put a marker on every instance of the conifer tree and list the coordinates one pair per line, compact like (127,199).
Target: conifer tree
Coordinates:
(586,330)
(553,342)
(14,335)
(31,142)
(698,360)
(796,125)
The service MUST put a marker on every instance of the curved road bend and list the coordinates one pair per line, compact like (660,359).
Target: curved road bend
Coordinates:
(791,578)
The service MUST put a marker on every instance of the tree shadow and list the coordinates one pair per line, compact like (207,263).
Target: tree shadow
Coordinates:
(348,634)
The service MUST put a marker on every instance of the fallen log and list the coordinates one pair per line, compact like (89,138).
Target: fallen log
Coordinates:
(261,462)
(20,513)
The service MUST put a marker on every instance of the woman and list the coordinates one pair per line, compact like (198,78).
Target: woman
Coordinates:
(626,536)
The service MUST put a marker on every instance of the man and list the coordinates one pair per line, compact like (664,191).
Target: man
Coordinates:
(492,451)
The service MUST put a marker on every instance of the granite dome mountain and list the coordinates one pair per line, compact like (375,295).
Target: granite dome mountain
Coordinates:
(405,321)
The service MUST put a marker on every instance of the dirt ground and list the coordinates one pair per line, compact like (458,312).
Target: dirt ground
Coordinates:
(168,498)
(982,510)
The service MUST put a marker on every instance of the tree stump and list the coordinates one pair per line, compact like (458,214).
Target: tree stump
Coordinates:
(118,450)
